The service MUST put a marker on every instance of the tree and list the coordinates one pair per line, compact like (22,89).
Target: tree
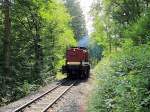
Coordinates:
(123,75)
(117,18)
(7,39)
(40,34)
(78,21)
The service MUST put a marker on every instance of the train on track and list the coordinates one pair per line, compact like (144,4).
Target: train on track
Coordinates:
(77,63)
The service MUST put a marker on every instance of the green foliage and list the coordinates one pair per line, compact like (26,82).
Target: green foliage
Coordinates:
(26,87)
(95,52)
(122,83)
(114,21)
(139,31)
(98,41)
(122,77)
(40,34)
(77,18)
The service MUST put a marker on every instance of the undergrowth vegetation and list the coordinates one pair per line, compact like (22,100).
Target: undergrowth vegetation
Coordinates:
(122,28)
(122,82)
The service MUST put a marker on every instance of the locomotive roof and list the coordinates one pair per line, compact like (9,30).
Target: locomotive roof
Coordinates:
(80,48)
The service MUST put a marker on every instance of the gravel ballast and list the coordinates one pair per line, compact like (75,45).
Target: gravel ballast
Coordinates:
(73,101)
(76,100)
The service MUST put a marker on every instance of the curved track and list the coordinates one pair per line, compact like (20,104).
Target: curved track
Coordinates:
(45,101)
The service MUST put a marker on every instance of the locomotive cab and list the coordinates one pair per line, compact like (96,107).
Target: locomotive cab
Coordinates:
(77,63)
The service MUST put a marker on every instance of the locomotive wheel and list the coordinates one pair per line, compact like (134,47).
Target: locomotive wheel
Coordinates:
(85,74)
(69,75)
(81,76)
(88,73)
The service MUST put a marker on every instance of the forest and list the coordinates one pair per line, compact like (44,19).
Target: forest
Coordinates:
(34,36)
(122,29)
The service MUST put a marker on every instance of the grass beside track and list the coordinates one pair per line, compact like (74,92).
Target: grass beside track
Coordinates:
(60,76)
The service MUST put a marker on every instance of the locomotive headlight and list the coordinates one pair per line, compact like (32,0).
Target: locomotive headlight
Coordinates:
(73,63)
(85,63)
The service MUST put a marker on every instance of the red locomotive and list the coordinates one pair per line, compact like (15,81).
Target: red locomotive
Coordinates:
(77,63)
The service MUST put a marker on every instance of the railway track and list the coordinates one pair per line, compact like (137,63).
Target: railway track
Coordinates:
(45,101)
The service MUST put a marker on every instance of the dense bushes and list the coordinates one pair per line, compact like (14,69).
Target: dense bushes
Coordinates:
(123,82)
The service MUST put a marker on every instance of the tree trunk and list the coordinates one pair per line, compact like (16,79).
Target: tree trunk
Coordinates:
(38,54)
(7,34)
(110,42)
(38,50)
(110,46)
(109,39)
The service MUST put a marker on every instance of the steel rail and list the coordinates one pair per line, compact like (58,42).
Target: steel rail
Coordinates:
(56,99)
(37,98)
